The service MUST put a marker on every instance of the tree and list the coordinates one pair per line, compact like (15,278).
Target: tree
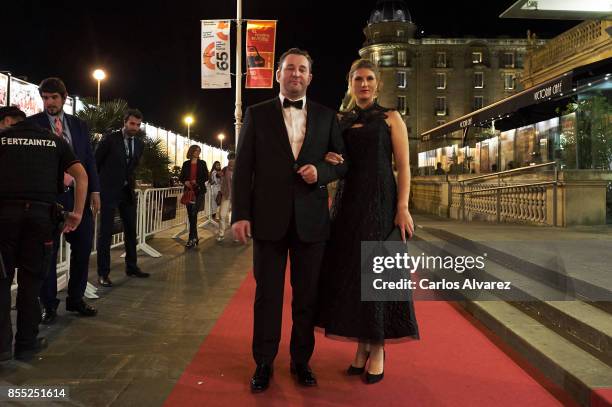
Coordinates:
(103,119)
(107,118)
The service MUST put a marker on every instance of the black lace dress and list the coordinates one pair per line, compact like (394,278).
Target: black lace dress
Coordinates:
(363,210)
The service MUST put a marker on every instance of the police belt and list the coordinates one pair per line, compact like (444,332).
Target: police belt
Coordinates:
(28,206)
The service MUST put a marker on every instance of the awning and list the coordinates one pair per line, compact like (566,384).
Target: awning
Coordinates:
(543,92)
(559,10)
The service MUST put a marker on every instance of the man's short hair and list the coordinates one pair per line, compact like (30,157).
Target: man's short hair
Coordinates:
(295,51)
(11,111)
(231,155)
(53,85)
(132,112)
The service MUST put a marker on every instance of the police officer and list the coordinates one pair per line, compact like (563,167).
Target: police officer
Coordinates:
(32,164)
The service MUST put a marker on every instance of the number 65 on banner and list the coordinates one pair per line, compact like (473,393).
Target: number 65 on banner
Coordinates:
(215,54)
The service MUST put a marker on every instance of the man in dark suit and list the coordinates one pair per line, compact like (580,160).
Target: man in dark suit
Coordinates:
(117,157)
(280,191)
(75,132)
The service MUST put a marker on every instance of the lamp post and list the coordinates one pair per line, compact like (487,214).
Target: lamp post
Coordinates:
(188,120)
(99,75)
(221,137)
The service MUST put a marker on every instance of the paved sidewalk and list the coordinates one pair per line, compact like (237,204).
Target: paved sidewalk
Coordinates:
(146,331)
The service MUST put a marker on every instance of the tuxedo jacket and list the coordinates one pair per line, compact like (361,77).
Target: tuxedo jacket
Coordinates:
(81,144)
(114,168)
(267,190)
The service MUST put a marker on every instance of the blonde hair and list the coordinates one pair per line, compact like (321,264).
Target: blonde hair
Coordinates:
(360,64)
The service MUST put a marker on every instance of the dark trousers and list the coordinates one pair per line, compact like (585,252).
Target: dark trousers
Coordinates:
(26,242)
(192,215)
(270,261)
(127,212)
(81,241)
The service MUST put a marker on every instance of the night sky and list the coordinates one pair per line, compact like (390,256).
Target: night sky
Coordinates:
(151,51)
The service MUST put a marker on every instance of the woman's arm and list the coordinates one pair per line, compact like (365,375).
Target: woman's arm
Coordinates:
(399,139)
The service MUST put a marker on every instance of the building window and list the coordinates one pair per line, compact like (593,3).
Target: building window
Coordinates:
(375,58)
(440,59)
(440,122)
(400,33)
(477,57)
(401,80)
(478,102)
(441,106)
(508,60)
(440,80)
(478,80)
(401,58)
(509,81)
(401,104)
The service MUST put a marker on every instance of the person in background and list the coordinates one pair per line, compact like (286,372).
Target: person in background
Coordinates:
(32,164)
(75,132)
(117,157)
(226,195)
(194,175)
(215,187)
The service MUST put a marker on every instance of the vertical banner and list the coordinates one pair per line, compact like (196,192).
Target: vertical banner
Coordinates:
(261,39)
(215,54)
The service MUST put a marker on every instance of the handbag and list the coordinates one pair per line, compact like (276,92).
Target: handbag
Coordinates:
(188,197)
(218,198)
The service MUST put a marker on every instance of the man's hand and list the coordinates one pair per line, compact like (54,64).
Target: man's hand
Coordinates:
(308,173)
(242,230)
(94,200)
(72,222)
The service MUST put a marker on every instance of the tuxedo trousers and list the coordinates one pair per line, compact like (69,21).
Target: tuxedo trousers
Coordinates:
(270,263)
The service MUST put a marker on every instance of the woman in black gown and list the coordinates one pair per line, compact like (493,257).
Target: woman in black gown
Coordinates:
(369,204)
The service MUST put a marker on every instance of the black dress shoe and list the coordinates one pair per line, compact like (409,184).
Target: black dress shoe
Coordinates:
(375,378)
(48,316)
(136,272)
(82,308)
(25,353)
(356,371)
(304,374)
(105,281)
(261,378)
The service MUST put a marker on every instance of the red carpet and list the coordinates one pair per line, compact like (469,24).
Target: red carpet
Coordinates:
(454,364)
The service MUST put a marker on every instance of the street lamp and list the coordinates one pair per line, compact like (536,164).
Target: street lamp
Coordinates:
(188,120)
(99,75)
(221,137)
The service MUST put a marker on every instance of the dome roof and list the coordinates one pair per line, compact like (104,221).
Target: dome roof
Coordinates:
(390,10)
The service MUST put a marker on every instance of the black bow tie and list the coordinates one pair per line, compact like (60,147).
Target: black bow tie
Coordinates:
(298,104)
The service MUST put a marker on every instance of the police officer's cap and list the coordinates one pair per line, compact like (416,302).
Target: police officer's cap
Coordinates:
(11,111)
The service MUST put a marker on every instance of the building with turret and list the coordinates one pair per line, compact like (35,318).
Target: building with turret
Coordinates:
(433,80)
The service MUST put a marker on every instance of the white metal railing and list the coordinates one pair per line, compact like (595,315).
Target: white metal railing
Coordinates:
(149,221)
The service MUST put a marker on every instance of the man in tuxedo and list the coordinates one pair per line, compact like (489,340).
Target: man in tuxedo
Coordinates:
(75,132)
(280,195)
(117,157)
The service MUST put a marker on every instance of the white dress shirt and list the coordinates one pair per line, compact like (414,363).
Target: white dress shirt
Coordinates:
(295,122)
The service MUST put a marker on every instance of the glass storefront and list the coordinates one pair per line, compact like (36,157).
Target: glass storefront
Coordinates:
(579,136)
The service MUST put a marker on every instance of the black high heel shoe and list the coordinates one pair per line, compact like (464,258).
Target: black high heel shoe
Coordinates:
(356,371)
(375,378)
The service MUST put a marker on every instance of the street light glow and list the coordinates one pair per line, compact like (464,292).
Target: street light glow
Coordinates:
(221,136)
(99,74)
(188,120)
